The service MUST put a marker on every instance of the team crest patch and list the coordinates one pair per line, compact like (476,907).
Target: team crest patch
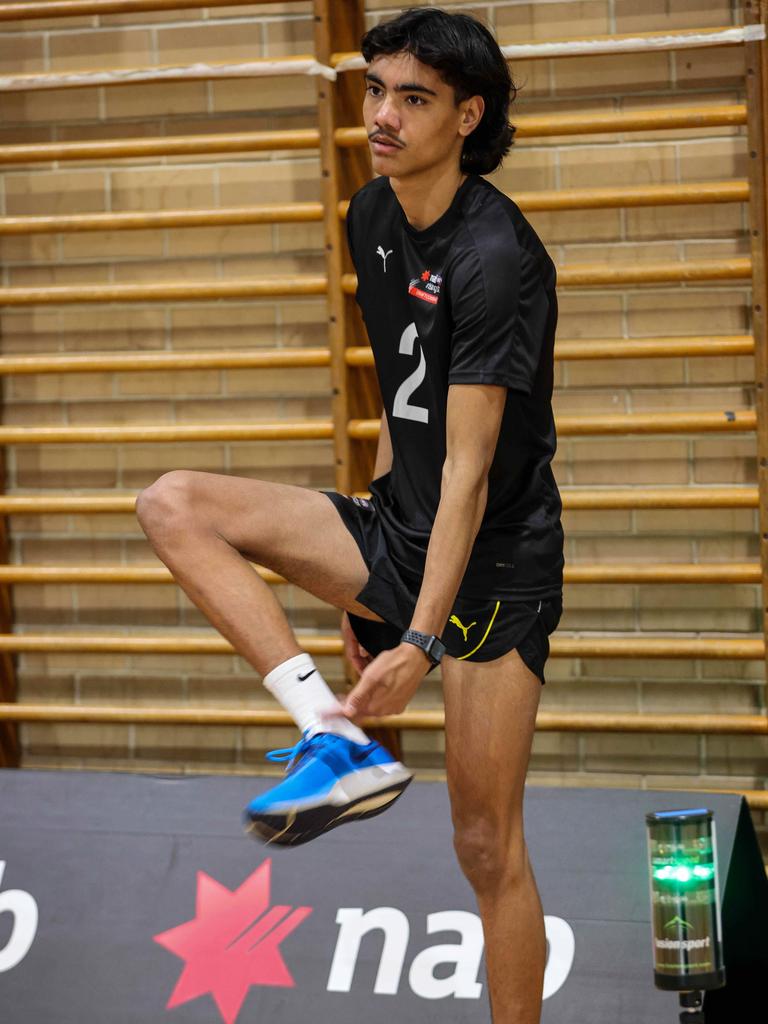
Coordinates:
(426,286)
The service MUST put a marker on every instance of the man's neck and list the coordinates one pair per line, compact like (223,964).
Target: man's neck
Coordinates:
(425,198)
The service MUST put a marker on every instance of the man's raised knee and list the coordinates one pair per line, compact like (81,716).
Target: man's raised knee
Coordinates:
(168,497)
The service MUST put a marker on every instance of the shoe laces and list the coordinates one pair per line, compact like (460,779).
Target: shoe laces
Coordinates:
(291,755)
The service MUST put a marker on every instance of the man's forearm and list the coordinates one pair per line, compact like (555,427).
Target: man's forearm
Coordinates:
(459,514)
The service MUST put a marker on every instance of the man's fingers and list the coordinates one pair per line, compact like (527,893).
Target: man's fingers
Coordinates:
(353,707)
(358,699)
(348,635)
(362,660)
(353,649)
(359,664)
(332,712)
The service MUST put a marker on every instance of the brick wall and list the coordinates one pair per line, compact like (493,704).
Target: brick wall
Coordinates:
(629,235)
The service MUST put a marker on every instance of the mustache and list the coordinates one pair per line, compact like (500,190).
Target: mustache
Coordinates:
(386,136)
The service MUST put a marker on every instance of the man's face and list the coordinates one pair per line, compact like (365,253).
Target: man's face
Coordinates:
(411,117)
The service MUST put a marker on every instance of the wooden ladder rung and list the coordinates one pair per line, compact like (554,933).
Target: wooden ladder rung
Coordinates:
(575,499)
(738,420)
(128,362)
(527,126)
(630,572)
(563,645)
(616,348)
(653,272)
(546,721)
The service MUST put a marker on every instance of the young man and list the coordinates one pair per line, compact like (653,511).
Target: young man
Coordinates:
(457,558)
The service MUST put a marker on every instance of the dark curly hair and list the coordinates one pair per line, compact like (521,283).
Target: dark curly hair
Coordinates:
(468,58)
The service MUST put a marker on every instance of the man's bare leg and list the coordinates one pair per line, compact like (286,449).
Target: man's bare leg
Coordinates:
(206,527)
(490,714)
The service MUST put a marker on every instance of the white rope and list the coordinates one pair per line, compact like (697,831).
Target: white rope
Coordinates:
(637,44)
(309,66)
(352,64)
(634,44)
(249,69)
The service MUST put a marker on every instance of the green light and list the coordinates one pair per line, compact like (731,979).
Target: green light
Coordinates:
(684,873)
(704,872)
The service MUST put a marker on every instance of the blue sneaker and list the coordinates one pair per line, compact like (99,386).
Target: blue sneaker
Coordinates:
(329,780)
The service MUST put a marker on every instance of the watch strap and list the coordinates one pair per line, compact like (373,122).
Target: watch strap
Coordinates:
(433,646)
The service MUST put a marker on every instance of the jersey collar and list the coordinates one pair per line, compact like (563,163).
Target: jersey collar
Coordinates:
(445,220)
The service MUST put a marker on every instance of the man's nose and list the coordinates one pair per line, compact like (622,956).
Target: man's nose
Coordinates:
(387,116)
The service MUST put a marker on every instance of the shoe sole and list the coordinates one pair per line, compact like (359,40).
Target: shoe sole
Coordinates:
(297,827)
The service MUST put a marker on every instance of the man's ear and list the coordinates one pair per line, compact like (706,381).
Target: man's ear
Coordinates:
(471,114)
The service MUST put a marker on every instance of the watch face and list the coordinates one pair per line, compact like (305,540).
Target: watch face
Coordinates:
(435,649)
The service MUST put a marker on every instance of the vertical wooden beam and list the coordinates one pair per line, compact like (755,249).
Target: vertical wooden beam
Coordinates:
(9,740)
(339,26)
(757,134)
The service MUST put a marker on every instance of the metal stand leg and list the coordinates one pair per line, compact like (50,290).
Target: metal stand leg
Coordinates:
(691,1007)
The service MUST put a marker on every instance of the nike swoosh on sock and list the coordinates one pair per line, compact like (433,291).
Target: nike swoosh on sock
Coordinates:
(302,678)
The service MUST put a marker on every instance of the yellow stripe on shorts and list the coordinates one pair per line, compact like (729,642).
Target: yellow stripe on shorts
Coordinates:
(485,635)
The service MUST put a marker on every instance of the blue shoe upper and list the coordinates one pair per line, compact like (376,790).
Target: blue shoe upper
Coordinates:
(315,764)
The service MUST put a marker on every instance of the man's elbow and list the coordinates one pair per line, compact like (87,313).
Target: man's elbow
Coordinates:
(466,476)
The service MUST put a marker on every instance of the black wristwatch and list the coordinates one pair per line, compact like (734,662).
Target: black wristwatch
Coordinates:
(433,646)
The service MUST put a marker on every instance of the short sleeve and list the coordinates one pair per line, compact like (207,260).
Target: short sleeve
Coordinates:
(487,343)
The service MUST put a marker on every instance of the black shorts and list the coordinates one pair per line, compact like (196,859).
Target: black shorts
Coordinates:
(477,629)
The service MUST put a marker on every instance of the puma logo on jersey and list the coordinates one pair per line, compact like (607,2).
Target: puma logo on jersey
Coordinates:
(380,252)
(464,629)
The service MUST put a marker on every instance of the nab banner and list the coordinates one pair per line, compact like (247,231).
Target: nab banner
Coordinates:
(127,899)
(23,924)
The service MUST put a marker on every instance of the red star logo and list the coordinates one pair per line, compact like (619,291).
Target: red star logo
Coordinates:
(231,943)
(425,276)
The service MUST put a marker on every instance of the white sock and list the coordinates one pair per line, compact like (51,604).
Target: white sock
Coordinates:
(305,699)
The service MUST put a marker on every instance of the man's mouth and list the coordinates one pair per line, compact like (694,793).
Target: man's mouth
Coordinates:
(383,140)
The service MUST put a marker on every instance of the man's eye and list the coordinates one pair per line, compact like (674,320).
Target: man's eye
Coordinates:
(374,90)
(416,101)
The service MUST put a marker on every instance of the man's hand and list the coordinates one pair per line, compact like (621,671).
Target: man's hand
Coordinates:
(353,649)
(387,683)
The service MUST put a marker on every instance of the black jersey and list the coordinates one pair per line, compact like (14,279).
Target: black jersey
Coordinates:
(470,299)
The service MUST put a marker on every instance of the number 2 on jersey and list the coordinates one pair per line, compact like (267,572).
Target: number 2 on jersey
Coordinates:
(401,407)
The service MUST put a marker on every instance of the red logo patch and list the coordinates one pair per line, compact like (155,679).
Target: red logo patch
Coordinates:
(426,286)
(231,943)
